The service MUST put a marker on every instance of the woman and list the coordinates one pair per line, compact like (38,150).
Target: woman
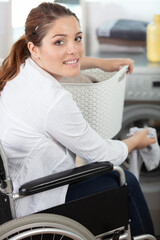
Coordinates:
(42,129)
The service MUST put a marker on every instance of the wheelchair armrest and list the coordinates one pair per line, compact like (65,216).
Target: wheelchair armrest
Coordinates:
(65,177)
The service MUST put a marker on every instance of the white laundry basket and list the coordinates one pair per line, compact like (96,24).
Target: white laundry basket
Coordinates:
(101,103)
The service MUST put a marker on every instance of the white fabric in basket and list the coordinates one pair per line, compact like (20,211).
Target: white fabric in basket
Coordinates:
(102,102)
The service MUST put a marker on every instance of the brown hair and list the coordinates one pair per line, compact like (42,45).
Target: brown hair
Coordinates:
(36,27)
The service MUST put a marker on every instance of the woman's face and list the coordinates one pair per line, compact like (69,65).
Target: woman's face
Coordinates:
(62,49)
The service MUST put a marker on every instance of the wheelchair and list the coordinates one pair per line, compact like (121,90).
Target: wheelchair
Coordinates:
(105,217)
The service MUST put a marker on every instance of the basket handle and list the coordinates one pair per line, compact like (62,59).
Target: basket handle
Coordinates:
(122,72)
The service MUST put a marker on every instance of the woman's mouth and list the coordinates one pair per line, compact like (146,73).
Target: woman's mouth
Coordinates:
(71,62)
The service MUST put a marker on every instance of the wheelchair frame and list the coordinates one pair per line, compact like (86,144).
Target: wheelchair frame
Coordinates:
(70,218)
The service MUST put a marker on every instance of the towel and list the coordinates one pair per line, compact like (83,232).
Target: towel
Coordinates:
(123,29)
(149,155)
(80,78)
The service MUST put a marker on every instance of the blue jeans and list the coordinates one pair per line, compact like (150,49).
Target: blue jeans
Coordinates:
(141,222)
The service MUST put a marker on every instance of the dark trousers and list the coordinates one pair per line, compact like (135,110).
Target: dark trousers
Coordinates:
(141,222)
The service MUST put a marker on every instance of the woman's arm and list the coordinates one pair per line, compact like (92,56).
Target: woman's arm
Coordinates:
(109,65)
(139,140)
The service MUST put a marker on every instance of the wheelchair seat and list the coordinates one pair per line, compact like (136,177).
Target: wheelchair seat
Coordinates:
(99,216)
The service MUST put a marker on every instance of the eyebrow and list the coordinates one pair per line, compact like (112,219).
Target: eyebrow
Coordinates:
(64,35)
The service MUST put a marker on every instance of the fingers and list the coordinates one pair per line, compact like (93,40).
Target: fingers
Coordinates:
(126,61)
(150,139)
(142,139)
(131,65)
(145,130)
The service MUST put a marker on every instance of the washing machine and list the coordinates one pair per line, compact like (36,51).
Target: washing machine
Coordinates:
(142,109)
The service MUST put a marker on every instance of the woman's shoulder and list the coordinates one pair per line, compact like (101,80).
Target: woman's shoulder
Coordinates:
(33,84)
(36,74)
(36,79)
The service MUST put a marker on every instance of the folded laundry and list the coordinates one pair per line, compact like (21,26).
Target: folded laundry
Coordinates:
(123,29)
(149,155)
(119,48)
(121,42)
(81,78)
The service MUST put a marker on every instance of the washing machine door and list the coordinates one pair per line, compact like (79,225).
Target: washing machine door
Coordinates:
(145,115)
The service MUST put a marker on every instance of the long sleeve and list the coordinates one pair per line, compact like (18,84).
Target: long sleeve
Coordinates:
(41,131)
(66,124)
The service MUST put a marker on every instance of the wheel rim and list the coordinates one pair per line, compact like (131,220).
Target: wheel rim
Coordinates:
(60,227)
(43,234)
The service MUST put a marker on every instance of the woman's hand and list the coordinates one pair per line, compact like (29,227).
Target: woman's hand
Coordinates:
(106,64)
(112,65)
(139,140)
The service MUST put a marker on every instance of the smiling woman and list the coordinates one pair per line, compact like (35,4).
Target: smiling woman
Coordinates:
(64,39)
(39,32)
(42,129)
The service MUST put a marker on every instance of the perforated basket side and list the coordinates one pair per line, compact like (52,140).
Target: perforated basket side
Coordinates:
(101,103)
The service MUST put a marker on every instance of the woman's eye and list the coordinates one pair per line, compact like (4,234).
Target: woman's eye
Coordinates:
(78,39)
(59,42)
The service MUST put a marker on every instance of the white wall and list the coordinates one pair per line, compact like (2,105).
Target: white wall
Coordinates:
(5,28)
(98,12)
(13,15)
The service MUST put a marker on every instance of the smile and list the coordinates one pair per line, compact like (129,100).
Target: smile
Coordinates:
(71,61)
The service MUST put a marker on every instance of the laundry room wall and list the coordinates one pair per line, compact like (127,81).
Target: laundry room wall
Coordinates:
(5,28)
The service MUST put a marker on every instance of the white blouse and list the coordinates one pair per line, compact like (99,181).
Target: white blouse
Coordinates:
(42,130)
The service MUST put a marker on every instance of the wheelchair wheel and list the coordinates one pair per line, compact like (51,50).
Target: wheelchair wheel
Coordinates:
(44,227)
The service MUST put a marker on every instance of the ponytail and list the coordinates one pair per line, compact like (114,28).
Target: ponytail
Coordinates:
(11,65)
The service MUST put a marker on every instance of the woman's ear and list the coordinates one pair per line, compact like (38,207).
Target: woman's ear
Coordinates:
(33,50)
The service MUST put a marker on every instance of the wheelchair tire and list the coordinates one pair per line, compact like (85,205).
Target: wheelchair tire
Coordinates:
(44,226)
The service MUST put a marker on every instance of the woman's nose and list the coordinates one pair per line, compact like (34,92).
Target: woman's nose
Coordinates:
(72,48)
